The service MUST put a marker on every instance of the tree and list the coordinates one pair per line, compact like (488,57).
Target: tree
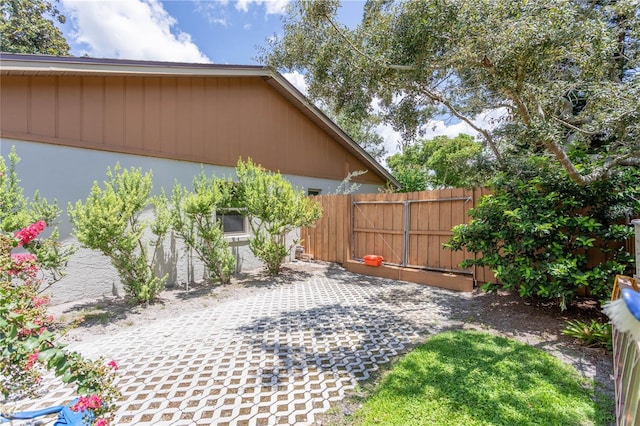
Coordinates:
(565,72)
(440,162)
(363,133)
(27,26)
(194,218)
(274,208)
(111,221)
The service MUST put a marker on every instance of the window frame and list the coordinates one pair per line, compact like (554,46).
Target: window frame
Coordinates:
(221,213)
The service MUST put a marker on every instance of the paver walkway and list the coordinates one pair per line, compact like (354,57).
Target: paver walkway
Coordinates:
(279,356)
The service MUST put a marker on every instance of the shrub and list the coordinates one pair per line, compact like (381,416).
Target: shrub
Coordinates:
(28,347)
(110,221)
(275,208)
(193,218)
(592,334)
(534,233)
(18,212)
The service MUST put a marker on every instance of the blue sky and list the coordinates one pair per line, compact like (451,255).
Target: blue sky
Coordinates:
(198,31)
(217,31)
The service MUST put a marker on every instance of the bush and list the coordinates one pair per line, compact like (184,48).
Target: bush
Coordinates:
(534,233)
(274,209)
(18,212)
(193,218)
(28,346)
(109,221)
(592,334)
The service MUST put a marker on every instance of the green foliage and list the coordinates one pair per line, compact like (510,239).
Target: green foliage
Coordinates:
(364,133)
(193,218)
(18,211)
(440,162)
(110,221)
(274,209)
(535,233)
(27,27)
(409,167)
(594,334)
(471,378)
(562,74)
(29,347)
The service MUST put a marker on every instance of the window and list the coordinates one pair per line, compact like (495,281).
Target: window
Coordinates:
(233,222)
(313,191)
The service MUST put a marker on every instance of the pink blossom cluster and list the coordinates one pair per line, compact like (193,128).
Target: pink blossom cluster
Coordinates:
(91,402)
(113,365)
(101,422)
(25,263)
(39,301)
(24,331)
(31,360)
(26,235)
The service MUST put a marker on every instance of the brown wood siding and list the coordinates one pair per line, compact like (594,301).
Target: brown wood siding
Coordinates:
(213,120)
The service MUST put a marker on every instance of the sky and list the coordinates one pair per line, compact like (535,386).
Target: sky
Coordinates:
(197,31)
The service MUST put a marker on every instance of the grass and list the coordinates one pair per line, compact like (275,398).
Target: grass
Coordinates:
(472,378)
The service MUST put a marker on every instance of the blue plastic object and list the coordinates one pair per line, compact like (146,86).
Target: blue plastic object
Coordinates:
(66,416)
(632,300)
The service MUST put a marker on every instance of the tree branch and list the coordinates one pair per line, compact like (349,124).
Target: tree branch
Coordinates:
(571,126)
(629,159)
(364,55)
(515,97)
(439,98)
(485,134)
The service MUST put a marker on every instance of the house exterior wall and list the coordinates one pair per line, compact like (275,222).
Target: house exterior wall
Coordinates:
(65,174)
(212,120)
(69,127)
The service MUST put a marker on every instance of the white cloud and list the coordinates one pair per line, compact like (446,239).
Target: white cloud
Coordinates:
(485,120)
(393,139)
(132,29)
(298,81)
(274,7)
(215,12)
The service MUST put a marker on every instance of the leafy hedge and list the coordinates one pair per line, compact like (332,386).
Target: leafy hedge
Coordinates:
(534,233)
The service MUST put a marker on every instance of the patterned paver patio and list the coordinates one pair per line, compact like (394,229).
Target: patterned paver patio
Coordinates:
(279,356)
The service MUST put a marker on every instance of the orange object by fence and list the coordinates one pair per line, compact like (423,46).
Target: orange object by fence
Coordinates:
(373,260)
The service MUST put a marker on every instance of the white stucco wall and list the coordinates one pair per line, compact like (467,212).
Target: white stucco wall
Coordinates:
(66,175)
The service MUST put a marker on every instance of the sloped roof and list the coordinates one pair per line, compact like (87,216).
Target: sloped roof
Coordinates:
(26,64)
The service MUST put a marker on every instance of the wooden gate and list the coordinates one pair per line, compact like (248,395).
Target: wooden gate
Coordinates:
(407,230)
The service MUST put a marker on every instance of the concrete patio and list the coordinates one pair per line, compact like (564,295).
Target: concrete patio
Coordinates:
(280,355)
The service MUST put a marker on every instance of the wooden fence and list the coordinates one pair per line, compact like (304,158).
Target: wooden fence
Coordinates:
(406,229)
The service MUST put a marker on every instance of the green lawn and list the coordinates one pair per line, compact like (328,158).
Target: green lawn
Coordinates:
(471,378)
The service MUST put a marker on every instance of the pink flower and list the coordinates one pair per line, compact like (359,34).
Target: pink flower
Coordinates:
(32,360)
(84,403)
(26,235)
(101,422)
(113,365)
(39,301)
(24,263)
